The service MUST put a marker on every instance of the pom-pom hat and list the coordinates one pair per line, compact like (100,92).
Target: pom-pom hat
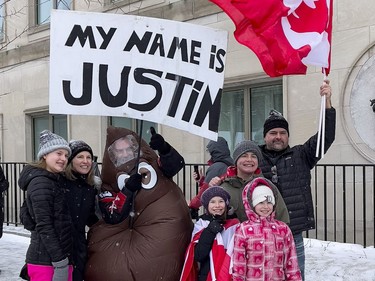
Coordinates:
(49,142)
(212,192)
(78,146)
(275,120)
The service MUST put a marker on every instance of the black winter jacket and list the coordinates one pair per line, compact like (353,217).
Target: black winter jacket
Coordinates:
(202,250)
(81,201)
(51,241)
(293,167)
(4,185)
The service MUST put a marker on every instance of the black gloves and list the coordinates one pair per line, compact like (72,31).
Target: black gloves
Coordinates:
(134,183)
(194,213)
(158,143)
(215,227)
(216,224)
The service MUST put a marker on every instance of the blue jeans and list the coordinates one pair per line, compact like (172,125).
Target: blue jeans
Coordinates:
(300,248)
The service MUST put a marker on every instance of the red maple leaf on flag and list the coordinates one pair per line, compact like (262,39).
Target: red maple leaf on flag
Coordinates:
(285,35)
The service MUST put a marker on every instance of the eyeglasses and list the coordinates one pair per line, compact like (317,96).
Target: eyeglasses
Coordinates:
(274,178)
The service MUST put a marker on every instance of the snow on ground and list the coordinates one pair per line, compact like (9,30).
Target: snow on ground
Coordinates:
(325,261)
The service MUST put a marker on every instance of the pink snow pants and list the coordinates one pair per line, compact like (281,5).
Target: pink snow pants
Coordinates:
(44,272)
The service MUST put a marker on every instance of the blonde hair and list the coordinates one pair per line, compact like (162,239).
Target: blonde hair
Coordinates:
(40,164)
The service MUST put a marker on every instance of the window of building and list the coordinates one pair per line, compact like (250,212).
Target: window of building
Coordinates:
(44,7)
(243,111)
(55,123)
(2,19)
(134,125)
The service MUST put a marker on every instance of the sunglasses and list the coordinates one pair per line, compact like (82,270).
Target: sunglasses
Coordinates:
(274,178)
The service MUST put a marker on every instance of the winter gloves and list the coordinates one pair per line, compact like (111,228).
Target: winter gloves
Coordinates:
(158,143)
(134,182)
(216,225)
(61,270)
(194,213)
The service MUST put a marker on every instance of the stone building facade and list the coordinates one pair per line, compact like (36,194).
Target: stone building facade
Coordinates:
(24,83)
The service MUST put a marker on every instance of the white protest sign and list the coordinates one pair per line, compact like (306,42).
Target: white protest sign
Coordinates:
(146,68)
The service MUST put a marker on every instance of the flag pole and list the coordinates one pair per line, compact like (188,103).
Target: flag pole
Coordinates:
(319,128)
(322,123)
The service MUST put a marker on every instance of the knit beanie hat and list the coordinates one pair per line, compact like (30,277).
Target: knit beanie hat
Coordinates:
(275,120)
(261,193)
(246,146)
(49,142)
(212,192)
(78,146)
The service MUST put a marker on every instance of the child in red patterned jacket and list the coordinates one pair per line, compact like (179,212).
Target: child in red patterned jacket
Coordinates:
(263,246)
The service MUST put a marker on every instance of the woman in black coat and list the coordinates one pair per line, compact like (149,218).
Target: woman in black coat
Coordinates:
(81,195)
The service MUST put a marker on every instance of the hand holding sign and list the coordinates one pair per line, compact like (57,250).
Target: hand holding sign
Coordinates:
(158,143)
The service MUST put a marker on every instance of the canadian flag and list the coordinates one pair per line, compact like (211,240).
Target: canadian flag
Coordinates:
(220,254)
(286,35)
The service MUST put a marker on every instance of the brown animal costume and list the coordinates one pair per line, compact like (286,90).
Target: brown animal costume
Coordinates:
(153,247)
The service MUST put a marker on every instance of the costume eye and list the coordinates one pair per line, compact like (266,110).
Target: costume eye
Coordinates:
(149,176)
(121,180)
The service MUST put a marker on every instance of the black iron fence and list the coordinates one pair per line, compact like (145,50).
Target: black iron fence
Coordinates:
(344,197)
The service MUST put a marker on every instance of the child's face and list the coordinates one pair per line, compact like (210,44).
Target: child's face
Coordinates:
(216,206)
(263,209)
(247,163)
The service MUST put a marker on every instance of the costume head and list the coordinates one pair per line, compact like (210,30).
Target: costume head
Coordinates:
(246,146)
(212,192)
(142,247)
(77,146)
(49,142)
(275,120)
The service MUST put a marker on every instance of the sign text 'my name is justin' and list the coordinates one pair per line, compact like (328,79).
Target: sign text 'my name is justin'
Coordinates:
(157,70)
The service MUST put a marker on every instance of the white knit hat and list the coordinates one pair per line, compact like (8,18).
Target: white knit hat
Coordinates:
(49,142)
(261,193)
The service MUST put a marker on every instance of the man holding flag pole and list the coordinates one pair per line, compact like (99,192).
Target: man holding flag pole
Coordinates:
(287,36)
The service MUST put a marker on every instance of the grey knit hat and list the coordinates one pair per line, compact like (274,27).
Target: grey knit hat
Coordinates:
(275,120)
(246,146)
(78,146)
(49,142)
(212,192)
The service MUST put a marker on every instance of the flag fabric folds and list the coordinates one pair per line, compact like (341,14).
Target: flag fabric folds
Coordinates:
(286,35)
(220,256)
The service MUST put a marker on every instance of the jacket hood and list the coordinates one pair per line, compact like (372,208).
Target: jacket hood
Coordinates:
(232,171)
(248,193)
(219,151)
(30,172)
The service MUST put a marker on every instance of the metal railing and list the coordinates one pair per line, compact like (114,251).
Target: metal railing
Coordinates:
(343,195)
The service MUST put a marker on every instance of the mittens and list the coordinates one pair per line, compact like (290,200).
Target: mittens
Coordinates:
(158,143)
(215,227)
(134,183)
(61,270)
(194,213)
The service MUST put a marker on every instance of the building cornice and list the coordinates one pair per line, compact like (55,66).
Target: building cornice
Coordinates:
(25,53)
